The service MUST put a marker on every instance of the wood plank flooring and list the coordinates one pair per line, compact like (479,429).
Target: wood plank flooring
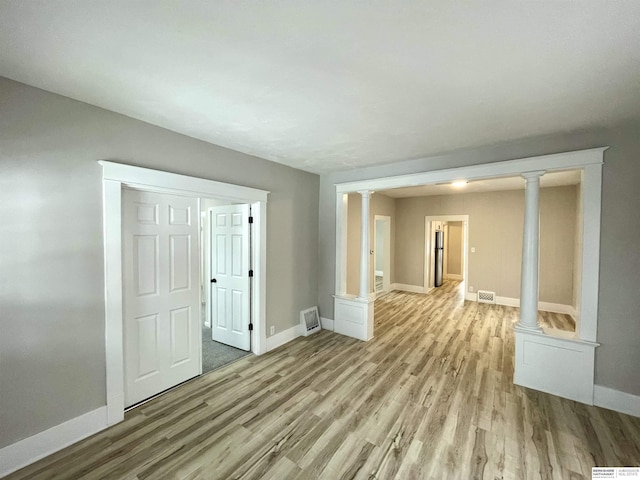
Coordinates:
(430,397)
(559,321)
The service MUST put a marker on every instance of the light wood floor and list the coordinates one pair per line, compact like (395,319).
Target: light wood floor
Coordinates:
(559,321)
(430,397)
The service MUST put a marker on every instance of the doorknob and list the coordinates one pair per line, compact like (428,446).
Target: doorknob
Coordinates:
(213,280)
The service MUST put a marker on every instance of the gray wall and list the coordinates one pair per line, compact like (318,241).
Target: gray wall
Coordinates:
(52,359)
(618,357)
(495,231)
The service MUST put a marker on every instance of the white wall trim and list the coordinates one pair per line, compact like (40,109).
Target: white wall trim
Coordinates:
(591,192)
(326,323)
(453,276)
(378,273)
(408,288)
(280,338)
(616,400)
(515,302)
(166,182)
(557,161)
(115,177)
(25,452)
(557,308)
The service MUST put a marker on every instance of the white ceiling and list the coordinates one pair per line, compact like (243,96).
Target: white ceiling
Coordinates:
(327,85)
(551,179)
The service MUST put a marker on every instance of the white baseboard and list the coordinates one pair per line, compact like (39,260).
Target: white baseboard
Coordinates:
(115,409)
(453,276)
(515,302)
(509,302)
(408,288)
(557,308)
(25,452)
(283,337)
(616,400)
(326,323)
(379,273)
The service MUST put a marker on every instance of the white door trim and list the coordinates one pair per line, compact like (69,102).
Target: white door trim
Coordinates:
(386,247)
(558,161)
(428,270)
(114,177)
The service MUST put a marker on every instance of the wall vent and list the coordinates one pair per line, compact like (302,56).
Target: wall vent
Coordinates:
(310,321)
(486,297)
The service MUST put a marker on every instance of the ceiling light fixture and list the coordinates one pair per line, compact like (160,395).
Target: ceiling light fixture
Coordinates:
(459,183)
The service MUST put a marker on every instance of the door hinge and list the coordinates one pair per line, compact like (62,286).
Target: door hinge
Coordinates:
(250,219)
(251,326)
(250,273)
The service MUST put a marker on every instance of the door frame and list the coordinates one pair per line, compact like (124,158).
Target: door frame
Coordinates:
(115,176)
(428,257)
(209,246)
(386,251)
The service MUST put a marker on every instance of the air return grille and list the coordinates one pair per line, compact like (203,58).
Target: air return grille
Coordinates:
(310,321)
(486,297)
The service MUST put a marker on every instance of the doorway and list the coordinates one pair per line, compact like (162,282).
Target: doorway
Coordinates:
(226,295)
(118,176)
(382,254)
(453,240)
(164,290)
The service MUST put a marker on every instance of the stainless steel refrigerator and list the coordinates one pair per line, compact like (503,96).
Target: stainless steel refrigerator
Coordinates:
(438,258)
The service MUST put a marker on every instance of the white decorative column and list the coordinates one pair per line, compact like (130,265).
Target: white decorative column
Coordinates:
(365,245)
(530,253)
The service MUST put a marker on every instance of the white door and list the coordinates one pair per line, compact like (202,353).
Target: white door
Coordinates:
(230,281)
(161,292)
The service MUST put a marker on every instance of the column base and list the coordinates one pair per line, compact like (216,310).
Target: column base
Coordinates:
(525,328)
(560,366)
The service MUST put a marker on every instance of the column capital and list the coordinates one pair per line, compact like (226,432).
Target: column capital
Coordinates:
(535,175)
(366,193)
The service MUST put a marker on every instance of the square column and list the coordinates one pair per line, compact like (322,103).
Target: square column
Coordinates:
(354,314)
(365,246)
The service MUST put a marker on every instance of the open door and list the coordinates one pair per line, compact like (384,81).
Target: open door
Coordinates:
(230,277)
(161,292)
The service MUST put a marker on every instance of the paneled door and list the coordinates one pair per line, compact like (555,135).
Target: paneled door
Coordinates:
(230,280)
(161,294)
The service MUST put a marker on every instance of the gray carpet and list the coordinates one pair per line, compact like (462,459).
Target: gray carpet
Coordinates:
(215,354)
